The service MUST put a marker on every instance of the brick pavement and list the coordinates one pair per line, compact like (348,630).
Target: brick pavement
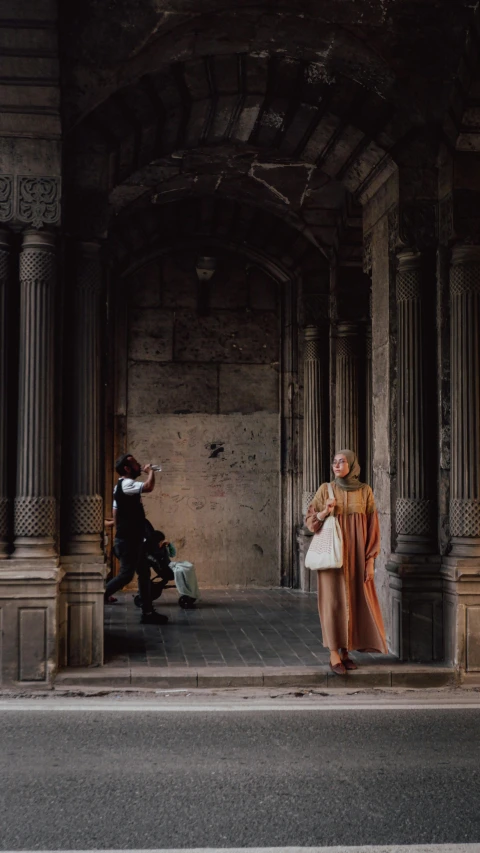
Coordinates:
(228,628)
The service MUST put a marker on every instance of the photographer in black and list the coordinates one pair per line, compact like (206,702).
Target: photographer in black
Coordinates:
(129,519)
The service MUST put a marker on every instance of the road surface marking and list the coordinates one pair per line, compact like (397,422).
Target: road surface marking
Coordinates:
(381,848)
(161,706)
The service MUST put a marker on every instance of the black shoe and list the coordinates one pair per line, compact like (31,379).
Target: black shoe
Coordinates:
(153,618)
(137,600)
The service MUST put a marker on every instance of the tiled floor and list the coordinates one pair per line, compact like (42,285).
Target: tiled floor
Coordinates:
(264,628)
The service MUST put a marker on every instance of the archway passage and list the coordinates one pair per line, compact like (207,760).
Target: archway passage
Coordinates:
(206,378)
(139,138)
(203,398)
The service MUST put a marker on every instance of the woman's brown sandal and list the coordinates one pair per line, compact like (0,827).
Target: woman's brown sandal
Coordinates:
(349,663)
(338,668)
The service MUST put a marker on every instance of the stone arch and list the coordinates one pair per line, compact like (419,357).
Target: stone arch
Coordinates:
(106,59)
(281,107)
(274,240)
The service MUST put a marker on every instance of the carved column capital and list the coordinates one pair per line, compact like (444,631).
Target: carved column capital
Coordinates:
(409,275)
(313,336)
(413,224)
(347,340)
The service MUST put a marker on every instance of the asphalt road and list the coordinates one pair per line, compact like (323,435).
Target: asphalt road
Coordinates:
(123,778)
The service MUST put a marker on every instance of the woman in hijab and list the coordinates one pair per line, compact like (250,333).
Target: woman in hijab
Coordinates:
(349,611)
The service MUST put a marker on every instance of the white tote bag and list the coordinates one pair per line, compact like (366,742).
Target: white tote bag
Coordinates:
(326,547)
(185,578)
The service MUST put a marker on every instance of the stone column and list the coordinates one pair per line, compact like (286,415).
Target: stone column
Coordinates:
(5,266)
(313,461)
(347,387)
(461,567)
(465,385)
(82,588)
(82,331)
(315,376)
(414,508)
(414,568)
(35,505)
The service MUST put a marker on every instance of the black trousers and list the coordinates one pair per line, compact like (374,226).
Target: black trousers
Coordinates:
(131,554)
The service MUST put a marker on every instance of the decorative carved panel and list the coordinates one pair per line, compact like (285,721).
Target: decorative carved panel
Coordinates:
(86,514)
(35,516)
(414,517)
(464,517)
(347,347)
(38,200)
(464,279)
(412,225)
(6,198)
(409,285)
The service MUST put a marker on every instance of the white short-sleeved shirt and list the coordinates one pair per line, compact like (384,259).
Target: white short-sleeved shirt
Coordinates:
(130,487)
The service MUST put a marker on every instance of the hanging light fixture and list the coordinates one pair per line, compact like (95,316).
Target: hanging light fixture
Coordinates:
(205,267)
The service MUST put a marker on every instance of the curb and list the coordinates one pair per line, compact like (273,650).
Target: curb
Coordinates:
(402,675)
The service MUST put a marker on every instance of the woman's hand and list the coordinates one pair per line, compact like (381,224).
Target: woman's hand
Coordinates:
(330,505)
(329,508)
(370,569)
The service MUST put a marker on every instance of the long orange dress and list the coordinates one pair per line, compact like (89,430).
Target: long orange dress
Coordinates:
(347,604)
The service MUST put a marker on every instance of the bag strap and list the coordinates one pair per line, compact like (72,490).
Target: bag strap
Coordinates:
(330,491)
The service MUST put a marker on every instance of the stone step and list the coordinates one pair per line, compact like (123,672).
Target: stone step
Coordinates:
(399,675)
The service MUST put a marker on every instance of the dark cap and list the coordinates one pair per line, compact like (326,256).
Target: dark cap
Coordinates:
(121,462)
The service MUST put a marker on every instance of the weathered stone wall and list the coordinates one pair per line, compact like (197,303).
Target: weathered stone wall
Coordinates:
(203,400)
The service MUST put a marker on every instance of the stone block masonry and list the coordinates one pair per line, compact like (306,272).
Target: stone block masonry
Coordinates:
(204,399)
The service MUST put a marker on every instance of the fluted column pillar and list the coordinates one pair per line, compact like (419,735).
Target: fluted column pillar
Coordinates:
(82,588)
(414,508)
(85,510)
(5,267)
(313,457)
(35,505)
(465,398)
(461,565)
(347,387)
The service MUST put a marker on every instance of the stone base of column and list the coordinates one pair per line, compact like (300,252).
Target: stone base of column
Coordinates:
(461,583)
(33,547)
(28,622)
(81,611)
(416,596)
(85,543)
(307,578)
(467,546)
(408,544)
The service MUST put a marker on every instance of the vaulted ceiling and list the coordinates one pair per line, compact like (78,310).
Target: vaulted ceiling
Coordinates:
(299,109)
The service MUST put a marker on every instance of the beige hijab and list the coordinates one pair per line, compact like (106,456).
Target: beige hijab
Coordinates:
(351,482)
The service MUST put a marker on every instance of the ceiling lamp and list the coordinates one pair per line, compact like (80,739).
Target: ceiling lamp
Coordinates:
(205,267)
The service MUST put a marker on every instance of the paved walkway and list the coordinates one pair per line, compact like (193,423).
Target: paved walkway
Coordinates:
(228,628)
